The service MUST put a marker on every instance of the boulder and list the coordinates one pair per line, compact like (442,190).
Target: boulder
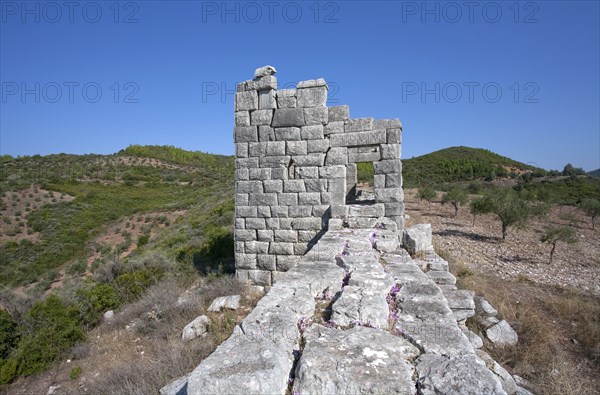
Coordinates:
(177,387)
(417,238)
(109,315)
(502,334)
(231,302)
(198,327)
(264,71)
(484,307)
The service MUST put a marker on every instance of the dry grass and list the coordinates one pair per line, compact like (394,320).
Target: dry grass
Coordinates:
(140,349)
(558,328)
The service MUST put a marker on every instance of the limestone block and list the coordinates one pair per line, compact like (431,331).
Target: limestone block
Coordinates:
(335,224)
(379,181)
(249,187)
(275,148)
(265,235)
(257,149)
(264,71)
(288,199)
(238,246)
(266,100)
(272,223)
(318,145)
(241,150)
(242,118)
(304,236)
(508,382)
(245,134)
(296,148)
(300,248)
(288,117)
(310,172)
(387,166)
(326,198)
(313,159)
(390,151)
(306,223)
(311,83)
(240,223)
(353,139)
(273,186)
(266,133)
(294,186)
(245,261)
(394,136)
(246,101)
(261,117)
(339,113)
(284,263)
(256,247)
(290,236)
(484,307)
(339,211)
(300,211)
(393,209)
(389,195)
(266,262)
(333,127)
(358,125)
(259,174)
(264,212)
(315,185)
(279,248)
(287,134)
(364,154)
(245,235)
(259,277)
(417,238)
(274,161)
(286,98)
(245,211)
(387,123)
(335,171)
(279,173)
(312,97)
(255,223)
(393,180)
(280,211)
(315,116)
(262,199)
(442,278)
(337,156)
(241,199)
(309,198)
(265,83)
(380,363)
(242,175)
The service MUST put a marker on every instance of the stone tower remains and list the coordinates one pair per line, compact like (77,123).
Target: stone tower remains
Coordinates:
(296,170)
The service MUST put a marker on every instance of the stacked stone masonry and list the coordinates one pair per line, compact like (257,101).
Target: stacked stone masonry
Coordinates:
(295,167)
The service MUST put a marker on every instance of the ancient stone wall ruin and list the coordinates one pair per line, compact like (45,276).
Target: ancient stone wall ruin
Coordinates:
(296,169)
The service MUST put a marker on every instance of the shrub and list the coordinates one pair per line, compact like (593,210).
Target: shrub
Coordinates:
(94,301)
(50,328)
(8,334)
(75,373)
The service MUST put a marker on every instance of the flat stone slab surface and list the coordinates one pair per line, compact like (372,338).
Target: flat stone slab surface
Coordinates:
(359,360)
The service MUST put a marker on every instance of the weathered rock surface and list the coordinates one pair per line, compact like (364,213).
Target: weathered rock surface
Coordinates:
(502,334)
(231,302)
(198,327)
(417,238)
(355,361)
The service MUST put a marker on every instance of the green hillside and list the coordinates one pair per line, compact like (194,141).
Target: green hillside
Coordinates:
(460,164)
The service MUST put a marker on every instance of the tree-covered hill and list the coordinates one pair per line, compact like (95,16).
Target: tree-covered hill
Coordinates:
(461,164)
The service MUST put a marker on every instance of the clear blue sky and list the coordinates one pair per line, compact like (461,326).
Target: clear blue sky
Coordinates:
(165,77)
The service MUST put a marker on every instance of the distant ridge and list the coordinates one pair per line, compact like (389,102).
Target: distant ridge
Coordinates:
(594,173)
(460,164)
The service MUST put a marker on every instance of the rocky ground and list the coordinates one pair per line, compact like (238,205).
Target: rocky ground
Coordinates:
(522,255)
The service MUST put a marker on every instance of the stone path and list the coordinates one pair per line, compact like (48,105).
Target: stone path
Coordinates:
(351,318)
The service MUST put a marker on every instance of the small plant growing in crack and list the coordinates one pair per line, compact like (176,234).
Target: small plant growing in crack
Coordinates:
(368,324)
(328,324)
(346,279)
(393,306)
(380,225)
(326,294)
(373,239)
(303,323)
